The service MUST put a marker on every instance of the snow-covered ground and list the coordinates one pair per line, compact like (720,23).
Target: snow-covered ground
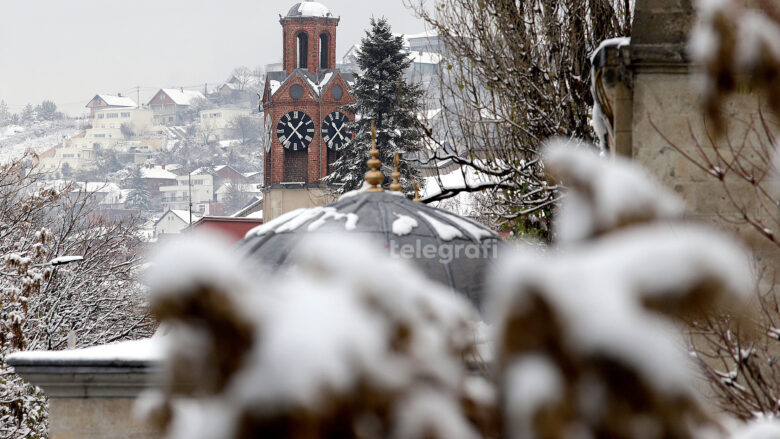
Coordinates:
(16,139)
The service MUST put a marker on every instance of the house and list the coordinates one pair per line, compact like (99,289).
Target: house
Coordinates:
(120,123)
(156,176)
(197,189)
(110,125)
(170,105)
(173,221)
(222,174)
(104,195)
(215,124)
(103,101)
(248,191)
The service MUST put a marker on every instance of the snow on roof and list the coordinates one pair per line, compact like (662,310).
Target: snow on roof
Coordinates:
(157,172)
(322,83)
(274,85)
(184,215)
(117,101)
(425,57)
(96,186)
(145,350)
(308,9)
(182,97)
(258,214)
(424,34)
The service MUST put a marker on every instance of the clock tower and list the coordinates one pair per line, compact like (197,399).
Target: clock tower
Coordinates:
(304,126)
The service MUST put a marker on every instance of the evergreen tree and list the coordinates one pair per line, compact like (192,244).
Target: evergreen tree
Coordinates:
(139,197)
(383,96)
(28,115)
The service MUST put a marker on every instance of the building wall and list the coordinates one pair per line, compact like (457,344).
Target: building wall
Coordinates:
(110,121)
(96,418)
(665,104)
(217,121)
(178,196)
(277,201)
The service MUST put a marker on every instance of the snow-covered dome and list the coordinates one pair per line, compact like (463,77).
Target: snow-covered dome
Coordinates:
(309,9)
(448,248)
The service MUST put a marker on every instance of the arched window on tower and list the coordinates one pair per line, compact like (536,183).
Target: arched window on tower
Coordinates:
(324,51)
(303,50)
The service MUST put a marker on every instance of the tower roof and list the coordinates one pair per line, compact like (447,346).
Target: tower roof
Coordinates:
(309,9)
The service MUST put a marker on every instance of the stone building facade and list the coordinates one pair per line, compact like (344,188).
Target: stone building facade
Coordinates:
(656,103)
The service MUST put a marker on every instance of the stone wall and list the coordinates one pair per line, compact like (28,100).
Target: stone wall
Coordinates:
(666,111)
(96,418)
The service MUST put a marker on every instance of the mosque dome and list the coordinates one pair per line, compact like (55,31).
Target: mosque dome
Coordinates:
(309,9)
(450,249)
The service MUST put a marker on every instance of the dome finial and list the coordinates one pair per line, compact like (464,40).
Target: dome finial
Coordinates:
(374,177)
(417,193)
(395,185)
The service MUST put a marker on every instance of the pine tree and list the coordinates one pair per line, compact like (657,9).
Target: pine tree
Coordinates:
(383,96)
(139,197)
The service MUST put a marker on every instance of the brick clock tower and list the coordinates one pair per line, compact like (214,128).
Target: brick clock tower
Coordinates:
(304,125)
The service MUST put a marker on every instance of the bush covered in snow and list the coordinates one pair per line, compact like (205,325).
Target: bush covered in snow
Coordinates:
(582,340)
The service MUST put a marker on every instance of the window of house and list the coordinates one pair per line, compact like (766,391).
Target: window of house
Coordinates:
(100,116)
(112,116)
(127,114)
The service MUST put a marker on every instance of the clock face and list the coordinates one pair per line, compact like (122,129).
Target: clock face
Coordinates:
(334,131)
(295,130)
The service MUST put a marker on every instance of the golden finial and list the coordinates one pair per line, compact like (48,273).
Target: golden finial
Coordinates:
(417,193)
(395,185)
(374,177)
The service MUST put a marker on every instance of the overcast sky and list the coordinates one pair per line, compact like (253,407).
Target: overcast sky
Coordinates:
(70,50)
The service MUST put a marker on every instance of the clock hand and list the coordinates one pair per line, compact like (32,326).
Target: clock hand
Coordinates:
(295,129)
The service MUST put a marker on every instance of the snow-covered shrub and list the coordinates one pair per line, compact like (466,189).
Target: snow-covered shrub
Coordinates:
(349,343)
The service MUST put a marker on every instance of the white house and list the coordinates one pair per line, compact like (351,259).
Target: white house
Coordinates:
(173,221)
(215,123)
(170,105)
(200,187)
(102,101)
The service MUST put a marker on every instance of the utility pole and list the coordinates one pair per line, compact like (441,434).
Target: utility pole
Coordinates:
(138,95)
